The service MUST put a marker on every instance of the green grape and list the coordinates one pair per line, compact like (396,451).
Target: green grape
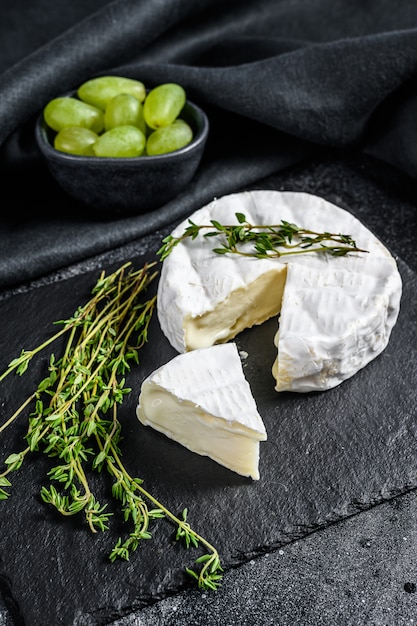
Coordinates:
(99,91)
(163,104)
(122,141)
(76,140)
(63,112)
(169,138)
(124,110)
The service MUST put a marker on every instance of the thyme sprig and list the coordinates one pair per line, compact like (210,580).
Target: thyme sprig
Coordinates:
(266,240)
(74,418)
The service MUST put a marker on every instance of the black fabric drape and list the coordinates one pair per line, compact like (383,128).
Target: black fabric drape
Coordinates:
(281,81)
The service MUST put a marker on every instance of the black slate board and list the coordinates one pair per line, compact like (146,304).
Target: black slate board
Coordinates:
(328,455)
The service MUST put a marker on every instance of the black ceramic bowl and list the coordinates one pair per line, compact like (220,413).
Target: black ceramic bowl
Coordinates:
(126,186)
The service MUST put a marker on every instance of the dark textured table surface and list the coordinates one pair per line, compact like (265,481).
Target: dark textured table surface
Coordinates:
(350,558)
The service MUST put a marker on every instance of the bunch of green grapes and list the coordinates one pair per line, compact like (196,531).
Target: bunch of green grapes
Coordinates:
(113,116)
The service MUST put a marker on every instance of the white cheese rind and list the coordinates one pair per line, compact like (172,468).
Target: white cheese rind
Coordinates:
(319,351)
(201,295)
(203,401)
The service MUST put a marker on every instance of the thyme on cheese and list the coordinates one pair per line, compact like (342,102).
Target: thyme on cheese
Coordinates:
(75,417)
(265,240)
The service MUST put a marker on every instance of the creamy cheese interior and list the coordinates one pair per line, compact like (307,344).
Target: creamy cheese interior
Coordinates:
(230,444)
(243,308)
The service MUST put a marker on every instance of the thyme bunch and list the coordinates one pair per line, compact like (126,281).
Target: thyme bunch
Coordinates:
(266,240)
(74,419)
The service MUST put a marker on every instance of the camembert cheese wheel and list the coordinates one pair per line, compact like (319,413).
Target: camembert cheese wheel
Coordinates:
(335,314)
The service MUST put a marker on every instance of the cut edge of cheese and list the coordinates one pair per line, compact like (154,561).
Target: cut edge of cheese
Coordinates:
(202,400)
(244,307)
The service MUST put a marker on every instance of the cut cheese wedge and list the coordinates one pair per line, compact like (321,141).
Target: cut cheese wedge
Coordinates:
(335,313)
(203,401)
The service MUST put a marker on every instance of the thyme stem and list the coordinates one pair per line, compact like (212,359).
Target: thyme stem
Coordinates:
(17,412)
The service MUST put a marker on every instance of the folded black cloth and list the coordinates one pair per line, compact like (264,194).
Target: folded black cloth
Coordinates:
(281,81)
